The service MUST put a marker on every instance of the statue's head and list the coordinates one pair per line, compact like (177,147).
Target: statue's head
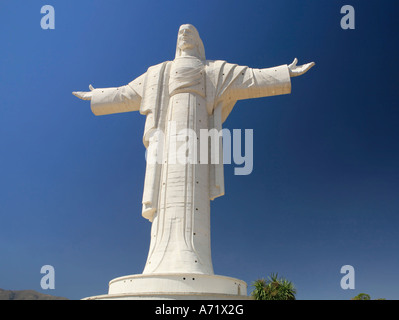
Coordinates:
(188,39)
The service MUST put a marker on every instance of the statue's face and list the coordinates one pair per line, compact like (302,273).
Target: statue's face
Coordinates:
(186,38)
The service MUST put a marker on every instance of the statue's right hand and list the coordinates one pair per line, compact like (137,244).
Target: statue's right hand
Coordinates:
(84,95)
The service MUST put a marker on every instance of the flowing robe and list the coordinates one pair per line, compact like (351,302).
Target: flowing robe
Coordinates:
(186,93)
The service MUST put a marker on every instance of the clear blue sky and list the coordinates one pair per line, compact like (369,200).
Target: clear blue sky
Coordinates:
(324,191)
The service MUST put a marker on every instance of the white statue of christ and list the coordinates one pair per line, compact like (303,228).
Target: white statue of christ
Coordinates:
(189,92)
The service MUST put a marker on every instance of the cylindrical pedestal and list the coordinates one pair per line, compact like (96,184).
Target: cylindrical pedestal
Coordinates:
(178,286)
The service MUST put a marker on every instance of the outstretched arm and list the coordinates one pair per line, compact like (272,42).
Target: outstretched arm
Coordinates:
(256,83)
(113,100)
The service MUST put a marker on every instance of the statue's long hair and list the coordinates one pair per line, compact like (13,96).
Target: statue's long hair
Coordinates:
(200,45)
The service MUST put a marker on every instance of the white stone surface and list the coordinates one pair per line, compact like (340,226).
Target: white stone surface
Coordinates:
(175,286)
(193,93)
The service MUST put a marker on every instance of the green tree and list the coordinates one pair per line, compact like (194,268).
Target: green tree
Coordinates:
(364,296)
(273,288)
(259,292)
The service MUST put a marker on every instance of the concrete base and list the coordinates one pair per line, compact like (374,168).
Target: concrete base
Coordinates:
(180,286)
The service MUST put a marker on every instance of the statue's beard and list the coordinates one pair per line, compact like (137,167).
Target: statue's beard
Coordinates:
(186,46)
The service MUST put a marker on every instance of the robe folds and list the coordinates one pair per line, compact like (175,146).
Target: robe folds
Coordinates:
(224,84)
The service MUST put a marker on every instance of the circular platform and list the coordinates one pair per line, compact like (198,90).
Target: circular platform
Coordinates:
(180,286)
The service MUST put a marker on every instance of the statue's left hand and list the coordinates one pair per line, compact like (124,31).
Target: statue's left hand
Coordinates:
(84,95)
(299,70)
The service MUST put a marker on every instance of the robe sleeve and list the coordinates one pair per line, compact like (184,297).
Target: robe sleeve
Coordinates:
(119,99)
(229,83)
(256,83)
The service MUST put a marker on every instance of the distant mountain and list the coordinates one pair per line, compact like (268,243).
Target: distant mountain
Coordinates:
(26,295)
